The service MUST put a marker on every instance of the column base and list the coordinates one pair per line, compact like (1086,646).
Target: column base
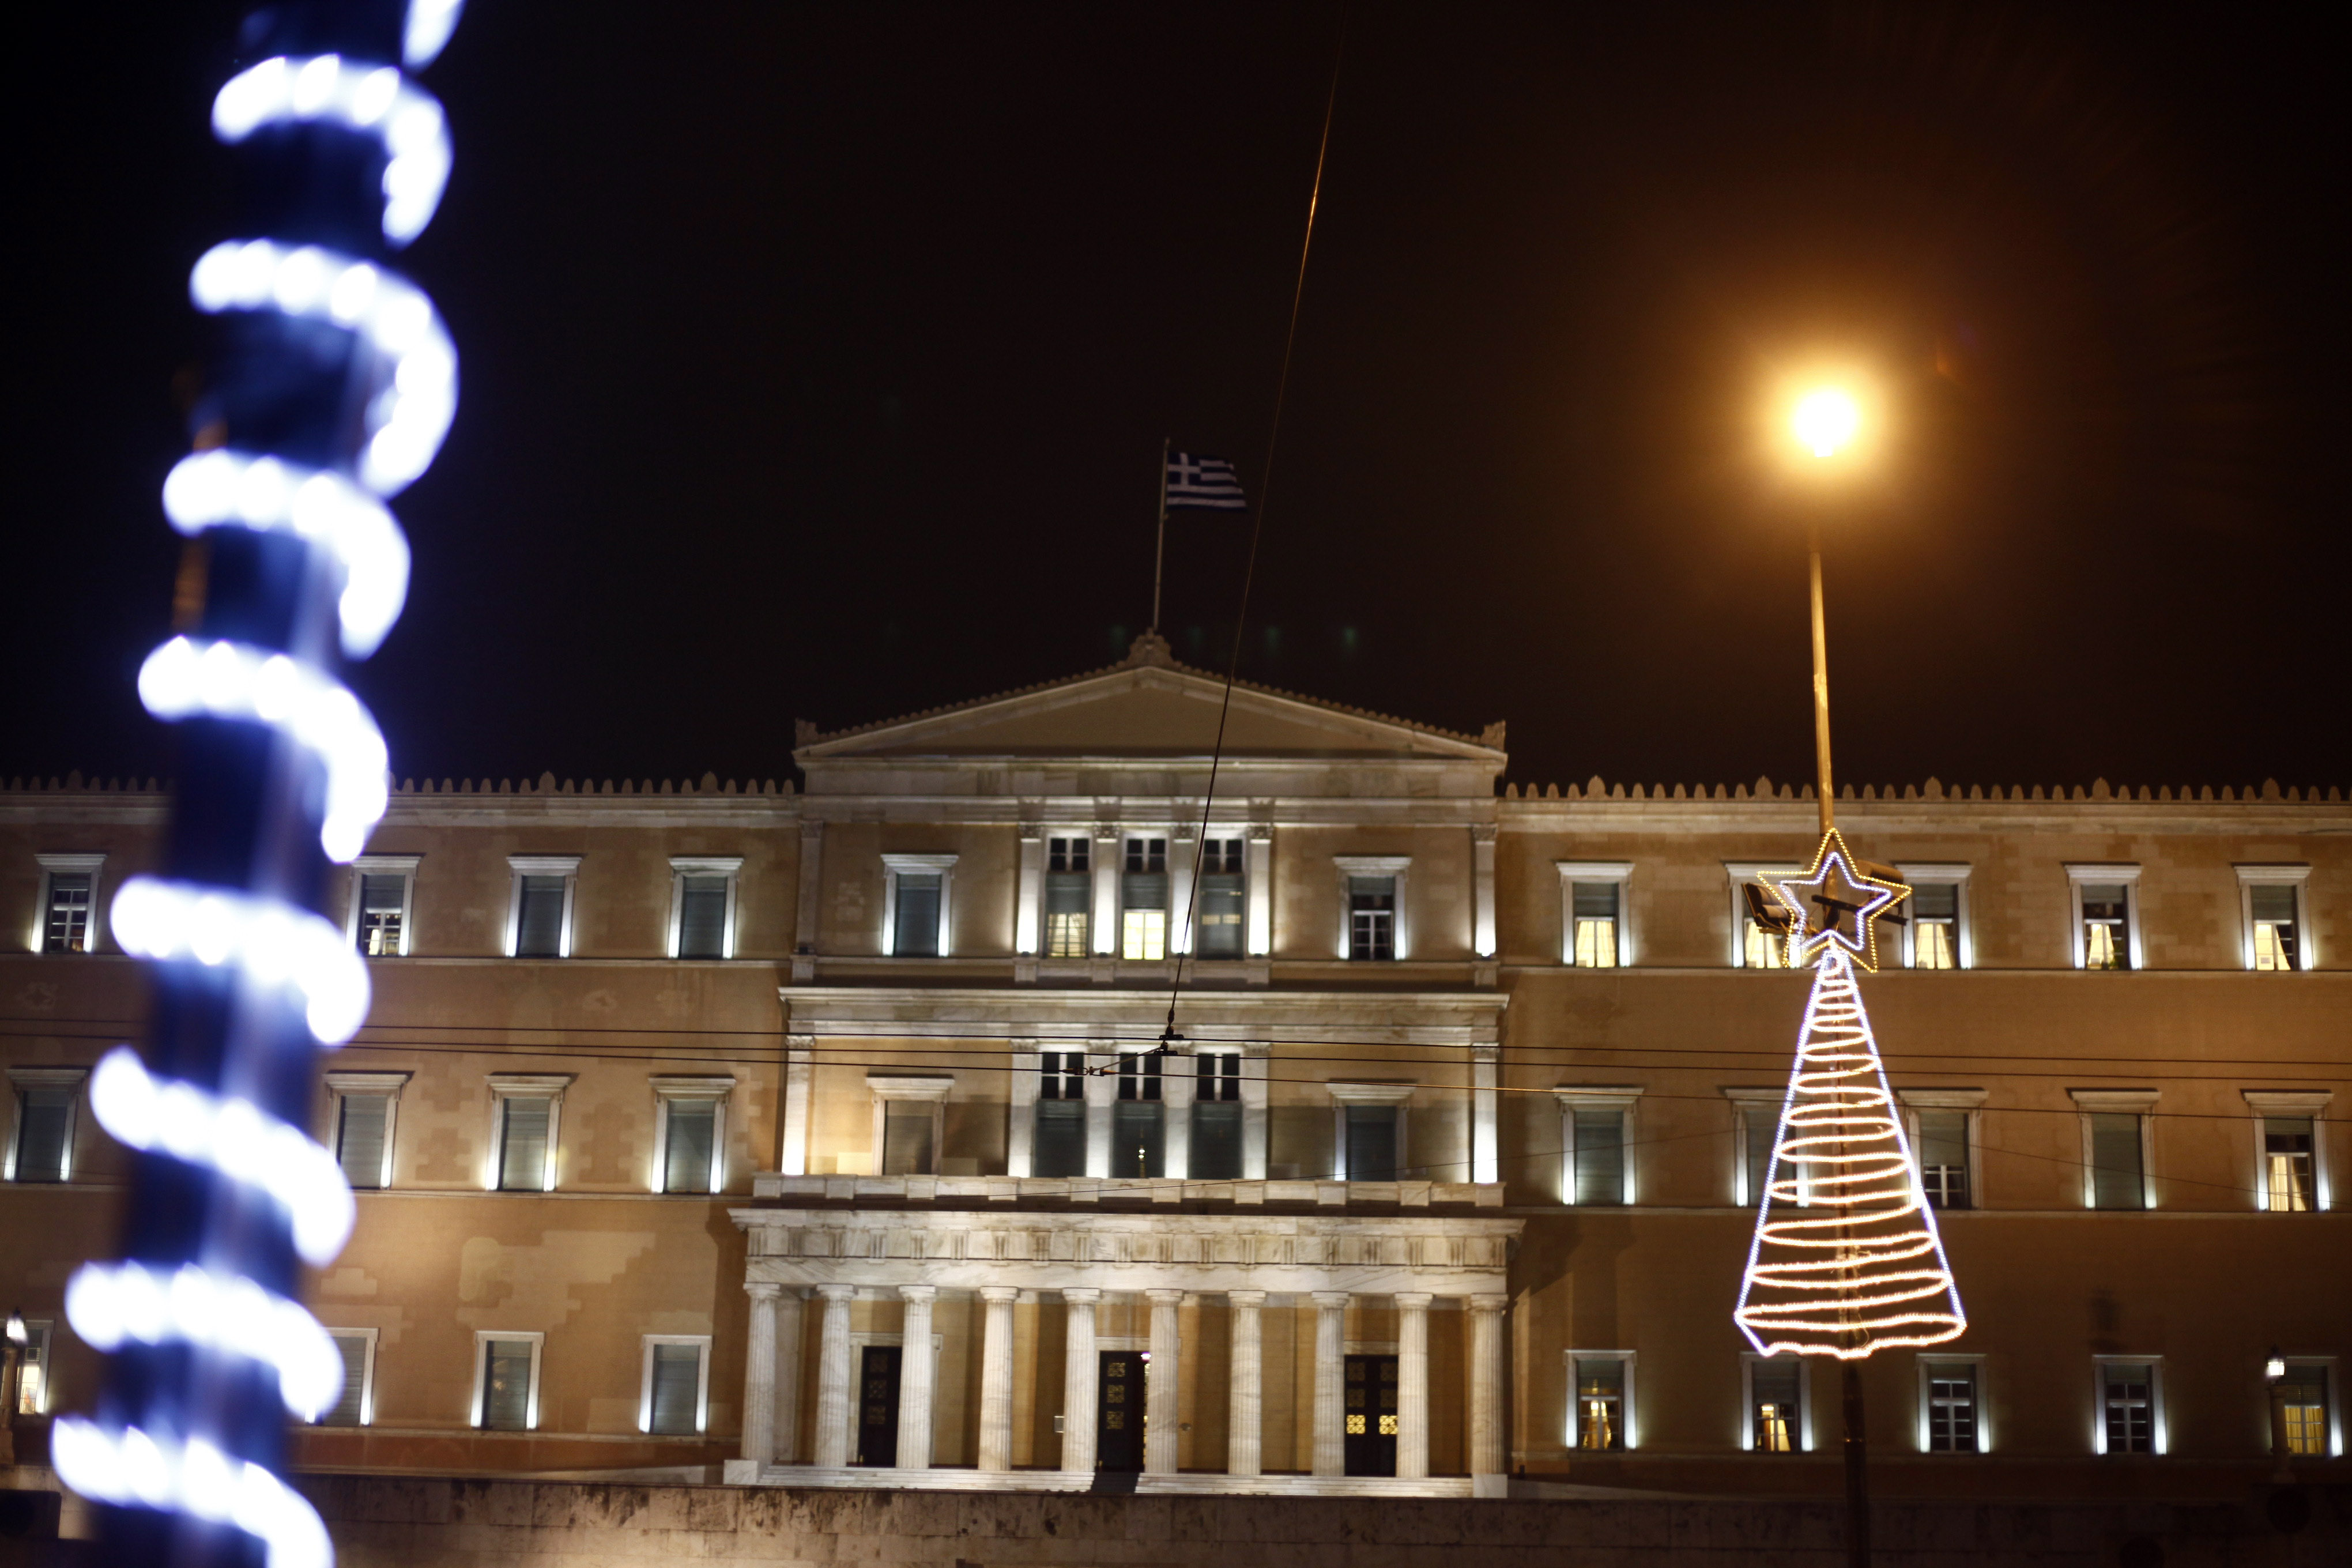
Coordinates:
(1490,1486)
(741,1472)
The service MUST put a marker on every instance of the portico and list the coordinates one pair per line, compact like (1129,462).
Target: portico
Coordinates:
(1343,1293)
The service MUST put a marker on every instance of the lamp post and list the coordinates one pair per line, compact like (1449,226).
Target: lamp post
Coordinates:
(11,1375)
(2275,1374)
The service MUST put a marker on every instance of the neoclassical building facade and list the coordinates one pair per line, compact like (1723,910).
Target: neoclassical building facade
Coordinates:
(996,1110)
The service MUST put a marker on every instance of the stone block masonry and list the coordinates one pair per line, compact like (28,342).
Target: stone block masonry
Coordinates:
(408,1522)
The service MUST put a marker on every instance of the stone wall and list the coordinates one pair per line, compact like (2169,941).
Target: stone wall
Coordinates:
(380,1522)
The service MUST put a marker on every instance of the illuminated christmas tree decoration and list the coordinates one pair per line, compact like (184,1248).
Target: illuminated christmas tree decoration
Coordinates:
(1838,902)
(1847,1260)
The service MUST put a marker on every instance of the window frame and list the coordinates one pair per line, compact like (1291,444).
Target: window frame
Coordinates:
(894,866)
(2331,1391)
(1240,1078)
(1927,1363)
(2138,1102)
(1224,833)
(522,866)
(701,1385)
(41,1332)
(2082,874)
(1345,1094)
(1130,835)
(889,1089)
(669,1090)
(404,868)
(1741,1098)
(1620,873)
(343,1085)
(1953,874)
(2297,879)
(1738,874)
(682,866)
(2158,1428)
(1969,1103)
(1804,1438)
(1021,1130)
(23,1078)
(69,865)
(1628,1422)
(1043,935)
(1623,1100)
(505,1086)
(1397,867)
(481,1414)
(367,1378)
(2264,1104)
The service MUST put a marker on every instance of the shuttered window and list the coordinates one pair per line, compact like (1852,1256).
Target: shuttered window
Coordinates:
(350,1405)
(687,1139)
(1222,906)
(2119,1179)
(360,1127)
(677,1374)
(916,930)
(539,922)
(1599,1157)
(1061,1139)
(506,1384)
(702,917)
(907,1140)
(44,1120)
(524,1123)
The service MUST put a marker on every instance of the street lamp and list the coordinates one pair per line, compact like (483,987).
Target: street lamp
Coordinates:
(2275,1374)
(12,1373)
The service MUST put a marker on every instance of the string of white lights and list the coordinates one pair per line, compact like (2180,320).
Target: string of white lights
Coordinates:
(271,945)
(137,1470)
(1846,1260)
(109,1303)
(232,1136)
(375,99)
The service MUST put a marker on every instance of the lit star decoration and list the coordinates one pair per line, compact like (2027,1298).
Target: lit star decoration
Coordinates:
(1847,1259)
(1836,904)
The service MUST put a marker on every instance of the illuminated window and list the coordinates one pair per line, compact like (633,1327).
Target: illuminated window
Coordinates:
(1600,1402)
(2107,920)
(354,1407)
(1217,1146)
(2304,1393)
(382,889)
(69,898)
(1059,1148)
(1224,898)
(702,905)
(540,922)
(1595,904)
(1143,901)
(1935,926)
(1139,1117)
(1942,1144)
(506,1382)
(1069,896)
(2127,1394)
(1776,1397)
(2271,896)
(1761,949)
(33,1381)
(2286,1163)
(1371,918)
(673,1401)
(363,1138)
(1950,1389)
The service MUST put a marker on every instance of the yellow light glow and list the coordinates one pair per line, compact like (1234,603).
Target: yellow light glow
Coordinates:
(1825,420)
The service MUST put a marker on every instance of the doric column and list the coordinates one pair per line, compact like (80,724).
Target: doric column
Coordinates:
(914,1378)
(1159,1384)
(996,1377)
(1080,1371)
(832,1378)
(790,1338)
(1331,1359)
(1244,1407)
(1486,1478)
(760,1376)
(1412,1385)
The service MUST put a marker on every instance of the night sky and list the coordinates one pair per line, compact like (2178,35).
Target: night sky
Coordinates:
(816,361)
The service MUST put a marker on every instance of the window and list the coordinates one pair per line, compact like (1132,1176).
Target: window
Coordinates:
(1060,1148)
(676,1383)
(2290,1178)
(1216,1148)
(2271,905)
(917,919)
(355,1406)
(1753,946)
(1935,935)
(1224,898)
(1951,1412)
(690,1134)
(529,1110)
(1368,1128)
(1943,1129)
(68,900)
(506,1381)
(539,925)
(2303,1393)
(43,1147)
(2129,1393)
(1139,1117)
(702,905)
(1776,1405)
(1069,896)
(2106,919)
(909,1119)
(365,1107)
(1756,1124)
(32,1379)
(2114,1147)
(1143,901)
(382,896)
(1600,1421)
(1592,920)
(1594,1166)
(1372,890)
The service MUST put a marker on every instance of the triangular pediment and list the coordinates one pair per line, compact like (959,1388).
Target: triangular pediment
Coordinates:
(1146,708)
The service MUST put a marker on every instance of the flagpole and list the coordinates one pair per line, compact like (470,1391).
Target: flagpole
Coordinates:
(1160,547)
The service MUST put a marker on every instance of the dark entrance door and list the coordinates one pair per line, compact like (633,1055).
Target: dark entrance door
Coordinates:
(877,1406)
(1119,1443)
(1369,1425)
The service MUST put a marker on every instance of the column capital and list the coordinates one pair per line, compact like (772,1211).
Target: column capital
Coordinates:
(1164,1298)
(1252,1300)
(1081,1297)
(1000,1294)
(924,1293)
(761,1291)
(837,1292)
(1484,1303)
(1330,1299)
(1413,1300)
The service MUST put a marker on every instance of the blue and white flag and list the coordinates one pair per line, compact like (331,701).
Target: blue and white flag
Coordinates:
(1209,483)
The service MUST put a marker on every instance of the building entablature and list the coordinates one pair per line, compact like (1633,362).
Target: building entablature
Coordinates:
(1060,1191)
(1592,808)
(1463,1018)
(1244,799)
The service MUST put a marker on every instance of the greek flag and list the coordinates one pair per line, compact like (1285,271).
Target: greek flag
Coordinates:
(1209,483)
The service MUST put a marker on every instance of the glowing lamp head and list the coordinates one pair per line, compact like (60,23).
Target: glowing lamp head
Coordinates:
(17,1333)
(2275,1368)
(1825,421)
